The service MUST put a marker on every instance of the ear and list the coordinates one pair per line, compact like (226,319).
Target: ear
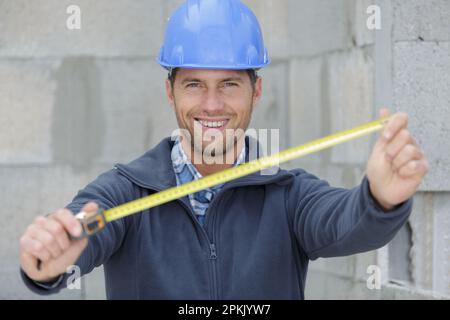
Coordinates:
(169,93)
(258,91)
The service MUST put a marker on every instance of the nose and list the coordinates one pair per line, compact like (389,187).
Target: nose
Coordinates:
(213,102)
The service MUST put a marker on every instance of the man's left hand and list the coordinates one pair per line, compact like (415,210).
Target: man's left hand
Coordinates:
(397,164)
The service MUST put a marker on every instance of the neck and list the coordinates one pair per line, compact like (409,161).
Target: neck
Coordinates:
(213,164)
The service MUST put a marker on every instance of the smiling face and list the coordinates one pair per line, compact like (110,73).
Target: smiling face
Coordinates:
(208,103)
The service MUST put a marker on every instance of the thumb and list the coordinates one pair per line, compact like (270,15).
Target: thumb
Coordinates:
(29,264)
(89,210)
(90,207)
(75,250)
(384,113)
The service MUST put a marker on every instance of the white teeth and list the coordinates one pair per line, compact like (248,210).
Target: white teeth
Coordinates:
(212,124)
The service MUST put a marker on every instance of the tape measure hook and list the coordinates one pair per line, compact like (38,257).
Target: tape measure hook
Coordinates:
(91,224)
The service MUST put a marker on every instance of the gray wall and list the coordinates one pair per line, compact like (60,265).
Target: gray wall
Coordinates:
(74,102)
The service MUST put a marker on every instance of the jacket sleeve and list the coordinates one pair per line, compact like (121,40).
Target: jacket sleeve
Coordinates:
(330,221)
(109,190)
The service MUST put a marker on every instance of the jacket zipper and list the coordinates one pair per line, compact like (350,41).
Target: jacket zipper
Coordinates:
(213,259)
(212,256)
(212,246)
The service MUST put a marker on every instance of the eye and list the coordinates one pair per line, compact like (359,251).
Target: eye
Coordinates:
(193,85)
(230,84)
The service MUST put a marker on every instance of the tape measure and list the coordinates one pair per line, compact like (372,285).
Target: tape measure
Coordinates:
(95,222)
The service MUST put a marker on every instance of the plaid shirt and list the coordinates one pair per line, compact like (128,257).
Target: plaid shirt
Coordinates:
(186,172)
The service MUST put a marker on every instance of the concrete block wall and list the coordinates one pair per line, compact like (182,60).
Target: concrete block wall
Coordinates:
(75,102)
(410,60)
(420,77)
(72,104)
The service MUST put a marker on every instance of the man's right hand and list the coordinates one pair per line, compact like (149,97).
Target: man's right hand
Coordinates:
(46,250)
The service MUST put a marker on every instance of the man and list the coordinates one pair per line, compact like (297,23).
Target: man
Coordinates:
(250,238)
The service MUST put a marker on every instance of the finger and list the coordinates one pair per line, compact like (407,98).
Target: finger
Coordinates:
(56,229)
(397,143)
(75,250)
(384,113)
(35,248)
(38,233)
(413,168)
(396,123)
(90,207)
(408,153)
(28,261)
(415,142)
(68,221)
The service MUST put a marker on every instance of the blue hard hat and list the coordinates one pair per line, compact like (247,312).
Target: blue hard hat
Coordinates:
(213,34)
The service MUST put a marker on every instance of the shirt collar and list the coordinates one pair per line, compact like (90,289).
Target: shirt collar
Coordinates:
(163,175)
(180,160)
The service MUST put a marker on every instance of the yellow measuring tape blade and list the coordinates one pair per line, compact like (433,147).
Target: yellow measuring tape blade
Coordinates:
(233,173)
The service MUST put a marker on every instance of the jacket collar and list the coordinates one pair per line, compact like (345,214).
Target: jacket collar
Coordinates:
(154,169)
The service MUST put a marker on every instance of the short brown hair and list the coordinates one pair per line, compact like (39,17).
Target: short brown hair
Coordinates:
(252,73)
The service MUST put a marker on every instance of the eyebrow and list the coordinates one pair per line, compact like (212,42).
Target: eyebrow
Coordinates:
(238,79)
(190,80)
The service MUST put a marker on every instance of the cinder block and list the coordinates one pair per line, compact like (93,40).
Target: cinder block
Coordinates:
(94,283)
(362,36)
(362,262)
(27,101)
(421,254)
(318,26)
(20,189)
(78,126)
(399,292)
(109,111)
(29,192)
(421,73)
(118,28)
(271,111)
(399,255)
(360,291)
(13,287)
(20,204)
(320,285)
(341,176)
(341,266)
(325,286)
(306,102)
(350,96)
(273,16)
(171,6)
(302,28)
(60,184)
(441,243)
(421,20)
(318,265)
(26,193)
(24,196)
(137,113)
